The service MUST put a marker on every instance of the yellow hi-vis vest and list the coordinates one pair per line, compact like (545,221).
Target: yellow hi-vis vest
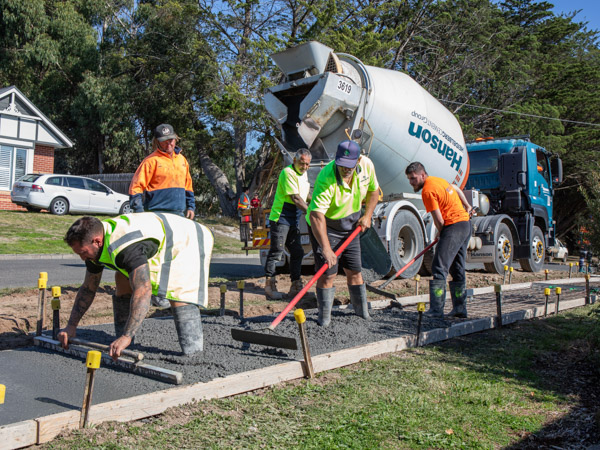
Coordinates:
(179,269)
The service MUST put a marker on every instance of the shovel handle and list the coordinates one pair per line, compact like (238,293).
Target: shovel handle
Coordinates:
(409,264)
(314,279)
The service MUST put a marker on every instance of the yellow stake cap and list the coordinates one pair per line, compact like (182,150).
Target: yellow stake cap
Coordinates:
(570,264)
(55,303)
(92,360)
(505,268)
(240,284)
(587,276)
(42,283)
(558,290)
(576,263)
(421,306)
(223,288)
(417,277)
(498,287)
(55,291)
(2,393)
(299,316)
(511,268)
(547,291)
(546,270)
(44,275)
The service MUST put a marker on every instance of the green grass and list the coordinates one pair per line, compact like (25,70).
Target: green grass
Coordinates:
(486,390)
(42,233)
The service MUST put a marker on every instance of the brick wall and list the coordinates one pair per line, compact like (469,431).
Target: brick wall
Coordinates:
(43,162)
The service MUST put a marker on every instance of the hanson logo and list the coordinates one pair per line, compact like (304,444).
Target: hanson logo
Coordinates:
(436,143)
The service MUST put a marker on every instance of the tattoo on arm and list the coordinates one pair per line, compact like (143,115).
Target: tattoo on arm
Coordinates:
(85,297)
(140,299)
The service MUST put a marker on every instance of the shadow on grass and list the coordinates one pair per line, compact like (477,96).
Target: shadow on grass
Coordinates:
(559,355)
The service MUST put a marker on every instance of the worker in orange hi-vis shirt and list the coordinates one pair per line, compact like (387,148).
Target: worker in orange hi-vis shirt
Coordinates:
(451,215)
(162,182)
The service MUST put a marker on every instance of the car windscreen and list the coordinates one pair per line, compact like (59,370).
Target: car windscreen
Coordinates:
(30,177)
(483,161)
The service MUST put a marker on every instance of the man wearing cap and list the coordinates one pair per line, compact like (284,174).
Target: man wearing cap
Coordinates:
(333,213)
(451,215)
(288,206)
(162,182)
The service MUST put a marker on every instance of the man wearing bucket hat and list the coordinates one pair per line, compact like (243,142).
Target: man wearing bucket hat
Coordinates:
(333,213)
(162,182)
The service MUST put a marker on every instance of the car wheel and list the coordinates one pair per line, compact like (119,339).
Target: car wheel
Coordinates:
(125,208)
(59,206)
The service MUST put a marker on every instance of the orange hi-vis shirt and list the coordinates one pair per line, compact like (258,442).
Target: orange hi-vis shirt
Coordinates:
(439,194)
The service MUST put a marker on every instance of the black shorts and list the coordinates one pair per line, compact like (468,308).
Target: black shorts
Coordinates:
(349,259)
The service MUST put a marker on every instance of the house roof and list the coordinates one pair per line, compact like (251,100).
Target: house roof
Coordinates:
(21,120)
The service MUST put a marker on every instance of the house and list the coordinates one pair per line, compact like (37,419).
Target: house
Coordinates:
(28,140)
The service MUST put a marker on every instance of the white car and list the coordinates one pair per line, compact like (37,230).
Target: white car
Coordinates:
(557,251)
(62,194)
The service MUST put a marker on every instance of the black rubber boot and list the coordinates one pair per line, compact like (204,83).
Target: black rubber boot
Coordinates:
(358,298)
(325,303)
(437,299)
(458,292)
(189,328)
(121,309)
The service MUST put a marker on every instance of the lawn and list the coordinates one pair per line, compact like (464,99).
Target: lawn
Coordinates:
(32,233)
(529,385)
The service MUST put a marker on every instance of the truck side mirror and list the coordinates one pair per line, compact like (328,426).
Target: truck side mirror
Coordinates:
(557,170)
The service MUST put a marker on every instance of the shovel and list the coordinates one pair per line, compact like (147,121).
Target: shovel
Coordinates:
(375,260)
(273,339)
(408,264)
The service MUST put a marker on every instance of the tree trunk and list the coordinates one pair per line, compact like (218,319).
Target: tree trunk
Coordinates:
(227,198)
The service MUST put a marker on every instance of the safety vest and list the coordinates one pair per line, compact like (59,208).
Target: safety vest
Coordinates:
(243,201)
(179,269)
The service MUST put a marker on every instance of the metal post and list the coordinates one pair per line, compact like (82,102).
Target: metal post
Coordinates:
(546,272)
(547,294)
(55,311)
(570,269)
(223,290)
(557,307)
(42,280)
(498,290)
(300,319)
(240,286)
(505,272)
(420,309)
(510,271)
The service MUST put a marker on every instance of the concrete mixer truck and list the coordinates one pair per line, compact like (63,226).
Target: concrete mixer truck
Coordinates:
(327,97)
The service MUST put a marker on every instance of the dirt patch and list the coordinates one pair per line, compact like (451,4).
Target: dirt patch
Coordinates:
(18,311)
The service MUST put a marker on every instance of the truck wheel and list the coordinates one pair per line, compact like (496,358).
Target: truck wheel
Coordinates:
(406,243)
(537,251)
(503,251)
(427,263)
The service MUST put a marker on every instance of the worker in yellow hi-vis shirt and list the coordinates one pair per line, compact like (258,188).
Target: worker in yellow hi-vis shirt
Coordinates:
(334,212)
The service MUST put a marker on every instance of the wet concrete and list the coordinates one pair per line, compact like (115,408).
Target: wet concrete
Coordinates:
(40,382)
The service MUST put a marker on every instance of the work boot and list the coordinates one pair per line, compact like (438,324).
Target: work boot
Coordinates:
(271,289)
(297,286)
(325,303)
(160,302)
(358,298)
(458,292)
(189,328)
(437,299)
(121,309)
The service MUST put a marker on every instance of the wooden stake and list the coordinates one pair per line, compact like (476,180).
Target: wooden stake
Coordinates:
(41,304)
(92,362)
(498,290)
(547,295)
(556,307)
(308,366)
(222,309)
(510,271)
(240,286)
(420,309)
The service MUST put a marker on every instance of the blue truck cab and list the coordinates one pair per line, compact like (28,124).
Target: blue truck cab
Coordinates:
(519,178)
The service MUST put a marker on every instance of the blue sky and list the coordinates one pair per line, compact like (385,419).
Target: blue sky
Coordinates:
(590,10)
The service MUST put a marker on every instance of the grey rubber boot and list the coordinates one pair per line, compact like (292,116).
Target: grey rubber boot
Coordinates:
(271,289)
(121,309)
(437,298)
(325,298)
(189,328)
(458,292)
(358,298)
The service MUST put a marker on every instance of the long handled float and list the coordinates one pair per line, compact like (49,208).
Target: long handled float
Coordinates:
(273,339)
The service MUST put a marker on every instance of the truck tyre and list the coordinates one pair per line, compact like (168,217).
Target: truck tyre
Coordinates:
(537,252)
(59,206)
(406,243)
(425,270)
(503,251)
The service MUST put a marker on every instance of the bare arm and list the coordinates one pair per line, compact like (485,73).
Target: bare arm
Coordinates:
(83,300)
(319,229)
(372,200)
(438,220)
(299,202)
(139,306)
(463,199)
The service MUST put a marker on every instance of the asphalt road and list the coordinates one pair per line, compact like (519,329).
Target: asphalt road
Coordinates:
(25,272)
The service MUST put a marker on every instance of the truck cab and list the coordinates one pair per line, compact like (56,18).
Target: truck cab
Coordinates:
(518,177)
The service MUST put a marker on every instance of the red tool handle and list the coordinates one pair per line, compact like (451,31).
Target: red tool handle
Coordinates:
(314,279)
(409,263)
